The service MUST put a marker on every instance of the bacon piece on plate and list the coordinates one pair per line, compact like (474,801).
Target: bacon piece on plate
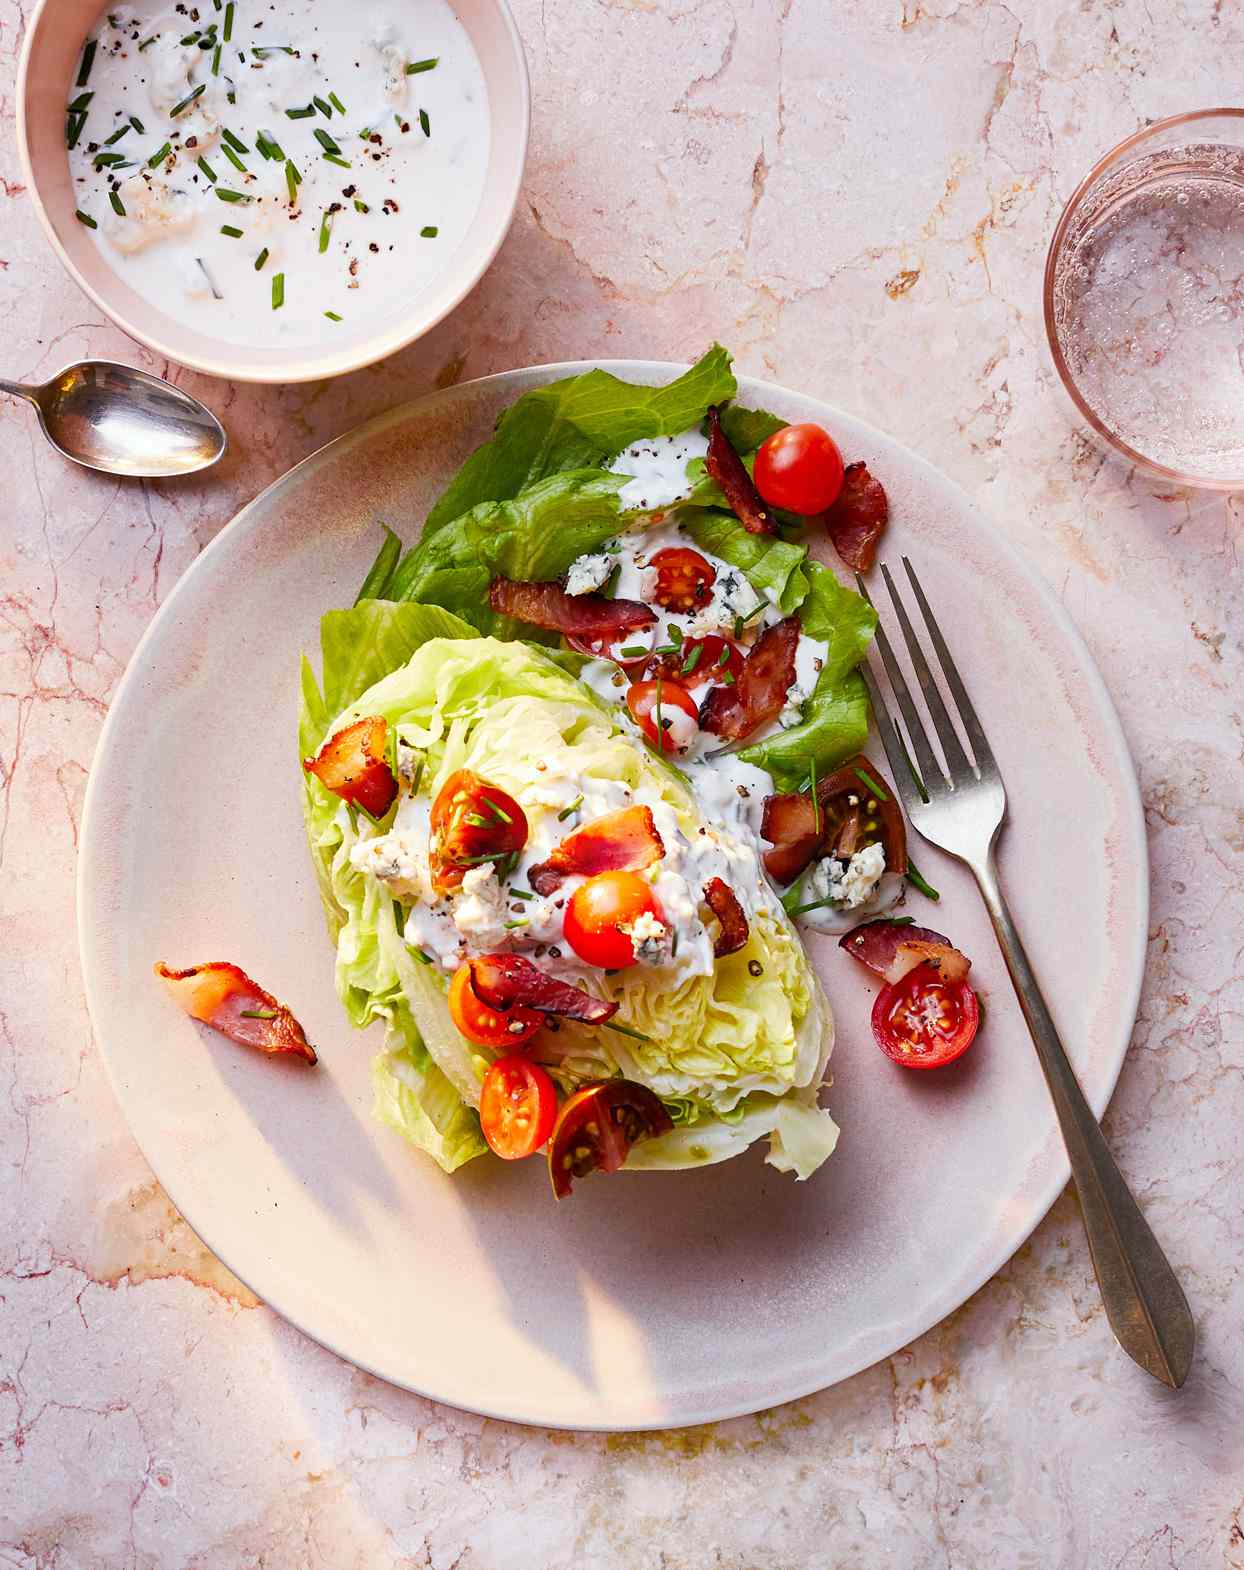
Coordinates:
(503,981)
(586,616)
(760,692)
(623,841)
(856,520)
(723,902)
(893,948)
(728,469)
(354,764)
(224,997)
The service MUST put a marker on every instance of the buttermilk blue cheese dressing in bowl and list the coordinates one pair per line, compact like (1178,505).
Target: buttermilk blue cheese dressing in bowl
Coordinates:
(275,189)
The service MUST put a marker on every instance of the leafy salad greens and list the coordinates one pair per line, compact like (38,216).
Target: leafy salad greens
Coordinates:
(422,647)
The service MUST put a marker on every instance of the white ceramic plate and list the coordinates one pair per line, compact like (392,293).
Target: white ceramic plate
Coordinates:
(647,1299)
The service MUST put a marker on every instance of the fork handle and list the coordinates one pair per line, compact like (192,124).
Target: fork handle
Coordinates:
(1144,1302)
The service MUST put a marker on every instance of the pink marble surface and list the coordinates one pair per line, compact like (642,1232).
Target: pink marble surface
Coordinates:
(857,199)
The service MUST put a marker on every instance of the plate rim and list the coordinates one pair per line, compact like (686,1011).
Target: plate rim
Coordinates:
(1132,829)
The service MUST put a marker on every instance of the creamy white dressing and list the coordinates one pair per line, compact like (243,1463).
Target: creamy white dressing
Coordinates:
(658,469)
(351,241)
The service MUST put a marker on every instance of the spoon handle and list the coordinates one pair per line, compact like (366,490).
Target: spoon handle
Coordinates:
(18,389)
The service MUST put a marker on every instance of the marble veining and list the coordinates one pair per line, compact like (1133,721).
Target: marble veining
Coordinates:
(857,199)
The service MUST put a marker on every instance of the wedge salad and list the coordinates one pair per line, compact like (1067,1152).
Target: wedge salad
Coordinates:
(578,761)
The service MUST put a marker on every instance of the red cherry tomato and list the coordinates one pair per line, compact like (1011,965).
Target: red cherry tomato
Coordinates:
(925,1021)
(596,913)
(658,707)
(472,821)
(597,1127)
(684,579)
(709,659)
(485,1026)
(517,1107)
(799,469)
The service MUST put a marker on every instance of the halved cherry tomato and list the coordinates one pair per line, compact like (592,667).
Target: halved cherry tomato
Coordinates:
(596,913)
(484,1025)
(472,822)
(665,712)
(597,1127)
(799,469)
(517,1107)
(851,815)
(925,1021)
(698,660)
(684,579)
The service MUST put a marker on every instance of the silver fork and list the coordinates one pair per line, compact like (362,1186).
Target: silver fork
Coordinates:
(961,809)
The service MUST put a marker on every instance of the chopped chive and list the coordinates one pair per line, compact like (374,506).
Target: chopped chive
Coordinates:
(138,125)
(291,181)
(88,60)
(816,904)
(476,820)
(264,50)
(425,959)
(326,141)
(301,114)
(521,894)
(816,800)
(216,61)
(417,66)
(332,316)
(117,135)
(147,42)
(429,232)
(234,234)
(342,163)
(519,921)
(399,917)
(633,651)
(693,659)
(228,32)
(107,160)
(208,171)
(226,195)
(497,812)
(80,103)
(187,100)
(158,158)
(425,122)
(567,812)
(261,259)
(625,1030)
(914,878)
(237,145)
(326,229)
(73,129)
(872,785)
(361,207)
(323,106)
(190,38)
(257,1013)
(85,218)
(269,148)
(724,657)
(278,291)
(118,206)
(234,159)
(336,103)
(727,678)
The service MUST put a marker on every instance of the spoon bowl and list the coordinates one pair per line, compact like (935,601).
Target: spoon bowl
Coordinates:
(120,420)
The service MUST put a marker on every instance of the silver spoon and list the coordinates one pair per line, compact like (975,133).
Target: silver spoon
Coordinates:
(121,421)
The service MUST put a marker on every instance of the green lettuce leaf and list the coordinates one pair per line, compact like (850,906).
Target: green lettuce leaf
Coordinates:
(534,535)
(576,424)
(835,717)
(801,1136)
(746,429)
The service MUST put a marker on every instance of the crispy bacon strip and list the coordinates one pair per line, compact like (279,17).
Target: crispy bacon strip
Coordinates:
(856,520)
(623,841)
(760,692)
(354,764)
(728,469)
(504,980)
(892,948)
(224,997)
(586,616)
(723,902)
(794,830)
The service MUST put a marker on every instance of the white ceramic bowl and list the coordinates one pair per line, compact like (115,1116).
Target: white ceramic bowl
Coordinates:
(50,57)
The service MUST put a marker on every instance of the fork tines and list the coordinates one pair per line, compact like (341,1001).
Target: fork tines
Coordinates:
(931,777)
